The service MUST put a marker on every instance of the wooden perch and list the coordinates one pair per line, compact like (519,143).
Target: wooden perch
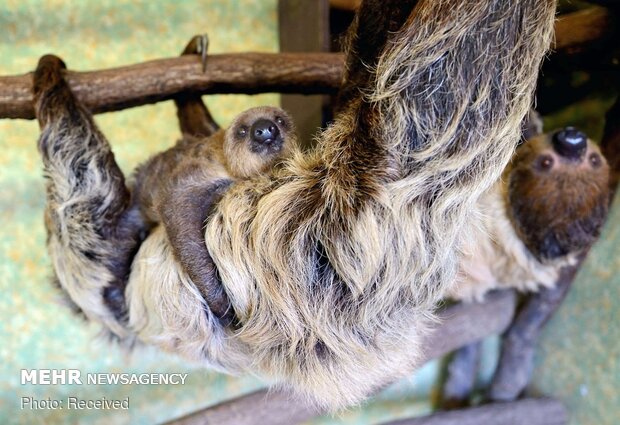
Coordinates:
(460,325)
(154,81)
(543,411)
(574,30)
(305,73)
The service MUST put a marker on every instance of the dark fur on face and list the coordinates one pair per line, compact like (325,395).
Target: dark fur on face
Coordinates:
(557,204)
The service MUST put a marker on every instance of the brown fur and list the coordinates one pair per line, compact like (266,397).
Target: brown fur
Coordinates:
(557,209)
(543,213)
(178,188)
(334,262)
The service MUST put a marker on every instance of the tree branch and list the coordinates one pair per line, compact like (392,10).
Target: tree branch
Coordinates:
(542,411)
(154,81)
(250,73)
(575,30)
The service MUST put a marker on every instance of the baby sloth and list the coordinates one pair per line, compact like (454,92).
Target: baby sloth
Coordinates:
(178,187)
(549,206)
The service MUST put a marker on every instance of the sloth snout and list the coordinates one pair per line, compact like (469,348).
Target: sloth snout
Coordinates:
(264,131)
(570,143)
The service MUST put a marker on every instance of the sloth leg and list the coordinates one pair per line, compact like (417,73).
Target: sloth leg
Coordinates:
(461,376)
(516,361)
(93,232)
(195,119)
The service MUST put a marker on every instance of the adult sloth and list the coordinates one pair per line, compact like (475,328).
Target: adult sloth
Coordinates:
(333,263)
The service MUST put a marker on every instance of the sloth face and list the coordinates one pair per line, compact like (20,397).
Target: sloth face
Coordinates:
(257,138)
(558,193)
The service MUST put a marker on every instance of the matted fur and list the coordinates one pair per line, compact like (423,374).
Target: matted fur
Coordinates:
(334,263)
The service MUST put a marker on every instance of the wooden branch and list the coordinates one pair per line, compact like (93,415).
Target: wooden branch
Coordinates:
(574,30)
(345,4)
(257,408)
(543,411)
(250,73)
(465,323)
(460,325)
(154,81)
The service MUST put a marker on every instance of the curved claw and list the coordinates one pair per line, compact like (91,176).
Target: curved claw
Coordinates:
(203,46)
(198,45)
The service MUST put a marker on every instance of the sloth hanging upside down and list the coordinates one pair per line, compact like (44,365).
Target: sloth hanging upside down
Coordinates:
(548,207)
(325,270)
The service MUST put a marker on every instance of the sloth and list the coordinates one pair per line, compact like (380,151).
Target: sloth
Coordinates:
(178,187)
(334,263)
(548,207)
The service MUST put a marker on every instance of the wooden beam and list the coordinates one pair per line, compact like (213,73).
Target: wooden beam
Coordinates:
(542,411)
(154,81)
(460,325)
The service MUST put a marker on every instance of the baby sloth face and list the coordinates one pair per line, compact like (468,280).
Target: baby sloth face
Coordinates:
(257,139)
(558,193)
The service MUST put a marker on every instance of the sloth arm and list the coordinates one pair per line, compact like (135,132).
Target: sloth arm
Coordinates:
(184,205)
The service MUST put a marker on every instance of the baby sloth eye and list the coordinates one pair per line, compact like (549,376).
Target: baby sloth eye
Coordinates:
(545,163)
(242,131)
(595,160)
(279,120)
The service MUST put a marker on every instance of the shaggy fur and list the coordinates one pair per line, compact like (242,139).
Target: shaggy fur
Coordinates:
(539,217)
(334,262)
(178,188)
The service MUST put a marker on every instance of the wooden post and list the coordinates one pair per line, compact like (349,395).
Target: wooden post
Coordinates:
(304,27)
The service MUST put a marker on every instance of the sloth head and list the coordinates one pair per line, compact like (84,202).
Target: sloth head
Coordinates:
(257,139)
(558,192)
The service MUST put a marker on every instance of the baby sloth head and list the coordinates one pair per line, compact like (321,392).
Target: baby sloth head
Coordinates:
(558,193)
(257,139)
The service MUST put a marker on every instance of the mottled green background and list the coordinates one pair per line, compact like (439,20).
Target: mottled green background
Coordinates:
(579,359)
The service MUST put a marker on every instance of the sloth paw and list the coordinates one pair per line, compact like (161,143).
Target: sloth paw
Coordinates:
(198,45)
(49,74)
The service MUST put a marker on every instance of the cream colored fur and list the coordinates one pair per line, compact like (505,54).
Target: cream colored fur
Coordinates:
(495,257)
(335,262)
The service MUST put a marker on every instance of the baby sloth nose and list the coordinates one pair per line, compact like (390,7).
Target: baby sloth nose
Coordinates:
(570,142)
(264,131)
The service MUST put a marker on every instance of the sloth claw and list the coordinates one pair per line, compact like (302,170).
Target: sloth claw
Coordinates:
(198,45)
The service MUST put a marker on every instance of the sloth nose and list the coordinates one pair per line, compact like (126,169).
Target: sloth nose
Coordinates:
(264,131)
(570,142)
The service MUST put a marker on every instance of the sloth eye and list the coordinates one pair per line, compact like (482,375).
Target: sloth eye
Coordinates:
(279,120)
(595,160)
(545,163)
(242,131)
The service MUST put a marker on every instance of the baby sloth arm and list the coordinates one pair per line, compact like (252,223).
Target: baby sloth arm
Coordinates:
(183,207)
